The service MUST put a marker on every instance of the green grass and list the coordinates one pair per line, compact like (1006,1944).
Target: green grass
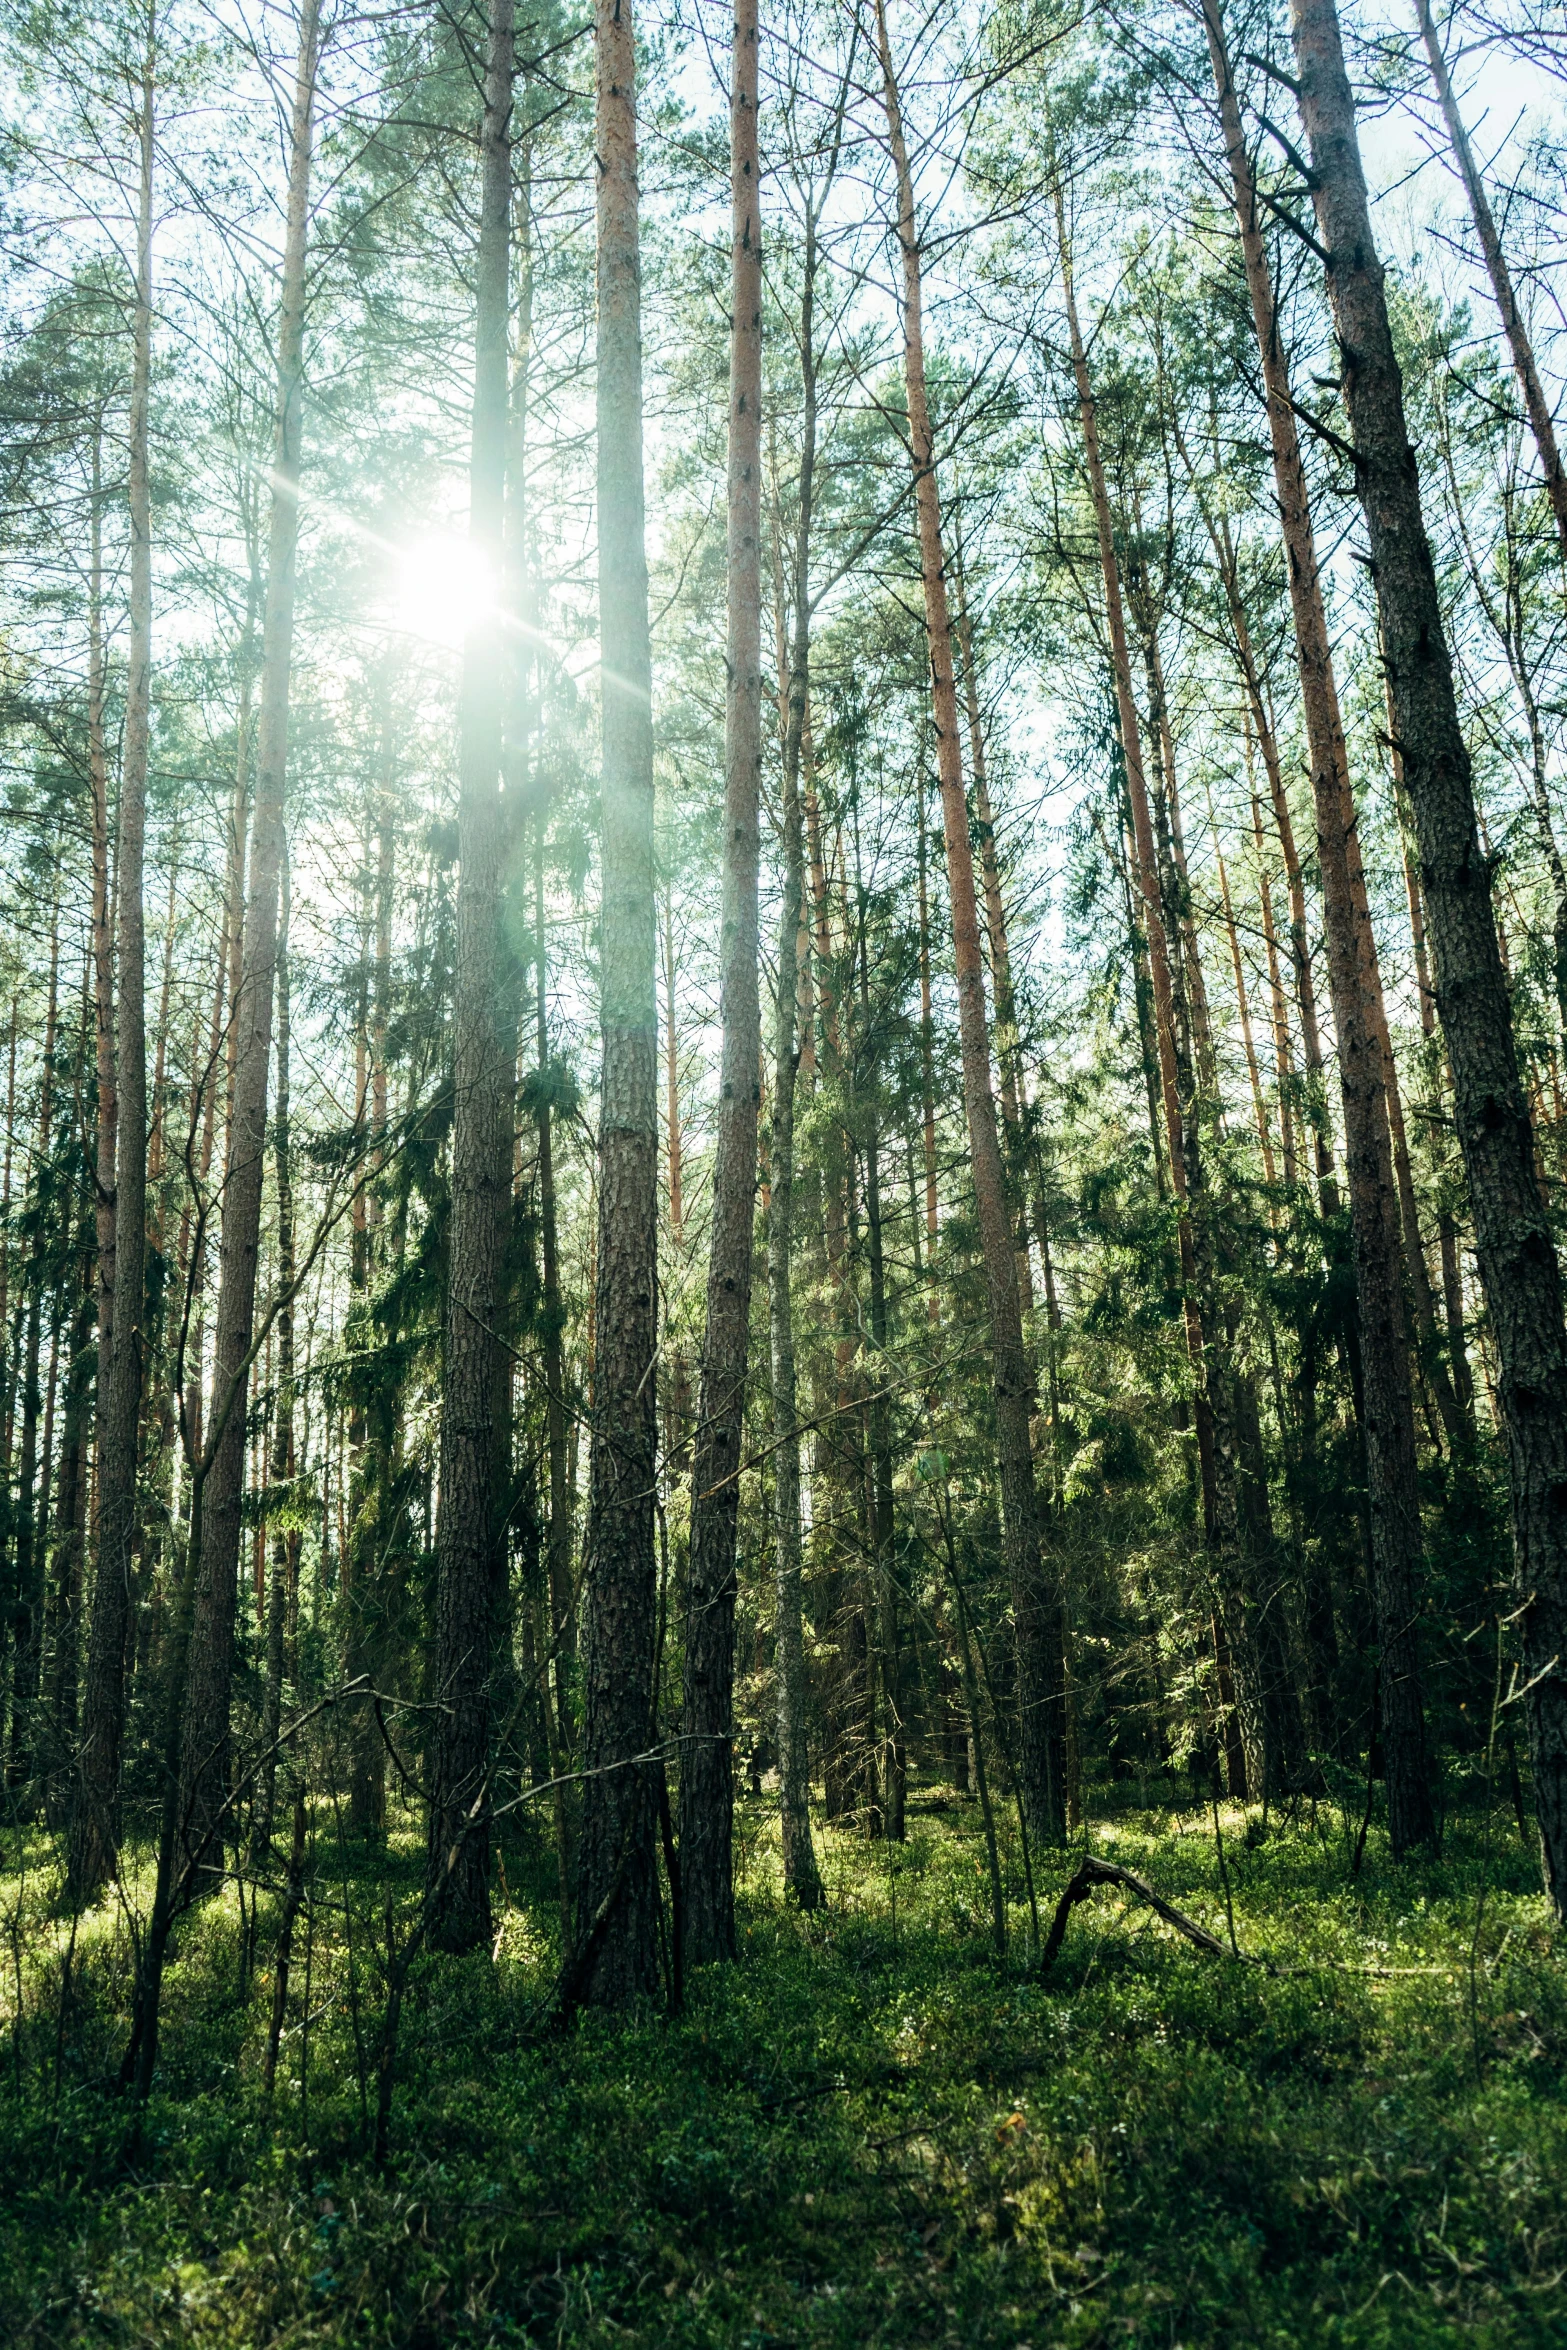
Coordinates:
(866,2132)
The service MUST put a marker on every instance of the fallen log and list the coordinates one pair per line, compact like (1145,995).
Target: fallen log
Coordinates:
(1091,1872)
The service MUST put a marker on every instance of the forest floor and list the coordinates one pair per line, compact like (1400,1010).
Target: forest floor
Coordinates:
(867,2132)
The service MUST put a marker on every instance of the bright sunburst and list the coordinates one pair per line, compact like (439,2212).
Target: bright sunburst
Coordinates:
(441,587)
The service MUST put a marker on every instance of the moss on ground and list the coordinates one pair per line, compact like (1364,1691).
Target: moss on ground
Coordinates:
(868,2132)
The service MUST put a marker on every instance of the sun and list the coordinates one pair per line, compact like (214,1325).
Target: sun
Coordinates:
(440,588)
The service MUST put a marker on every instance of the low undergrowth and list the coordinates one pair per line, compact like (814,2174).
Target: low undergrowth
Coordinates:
(869,2131)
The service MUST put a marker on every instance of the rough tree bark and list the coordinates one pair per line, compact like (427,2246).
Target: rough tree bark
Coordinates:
(706,1757)
(551,1350)
(1440,1124)
(616,1958)
(94,1831)
(284,1546)
(927,1075)
(1513,1243)
(677,1382)
(1036,1598)
(1005,1037)
(106,1140)
(1283,1060)
(467,1551)
(888,1763)
(801,1875)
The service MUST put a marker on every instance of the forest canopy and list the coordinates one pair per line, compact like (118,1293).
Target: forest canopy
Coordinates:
(784,1000)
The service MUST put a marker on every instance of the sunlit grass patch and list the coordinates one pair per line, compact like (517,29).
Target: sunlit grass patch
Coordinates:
(868,2131)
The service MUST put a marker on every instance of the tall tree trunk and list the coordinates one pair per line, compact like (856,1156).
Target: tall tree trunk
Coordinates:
(1005,1038)
(1446,1224)
(282,1462)
(357,1597)
(706,1767)
(616,1957)
(1505,606)
(1518,343)
(239,818)
(928,1075)
(853,1584)
(95,1828)
(801,1876)
(157,1121)
(1513,1240)
(195,1253)
(204,1735)
(1283,1061)
(1300,958)
(1149,615)
(1388,1419)
(1036,1597)
(1008,1060)
(106,1140)
(1433,1367)
(1052,1363)
(836,1490)
(26,1563)
(59,1322)
(552,1352)
(467,1544)
(677,1385)
(890,1763)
